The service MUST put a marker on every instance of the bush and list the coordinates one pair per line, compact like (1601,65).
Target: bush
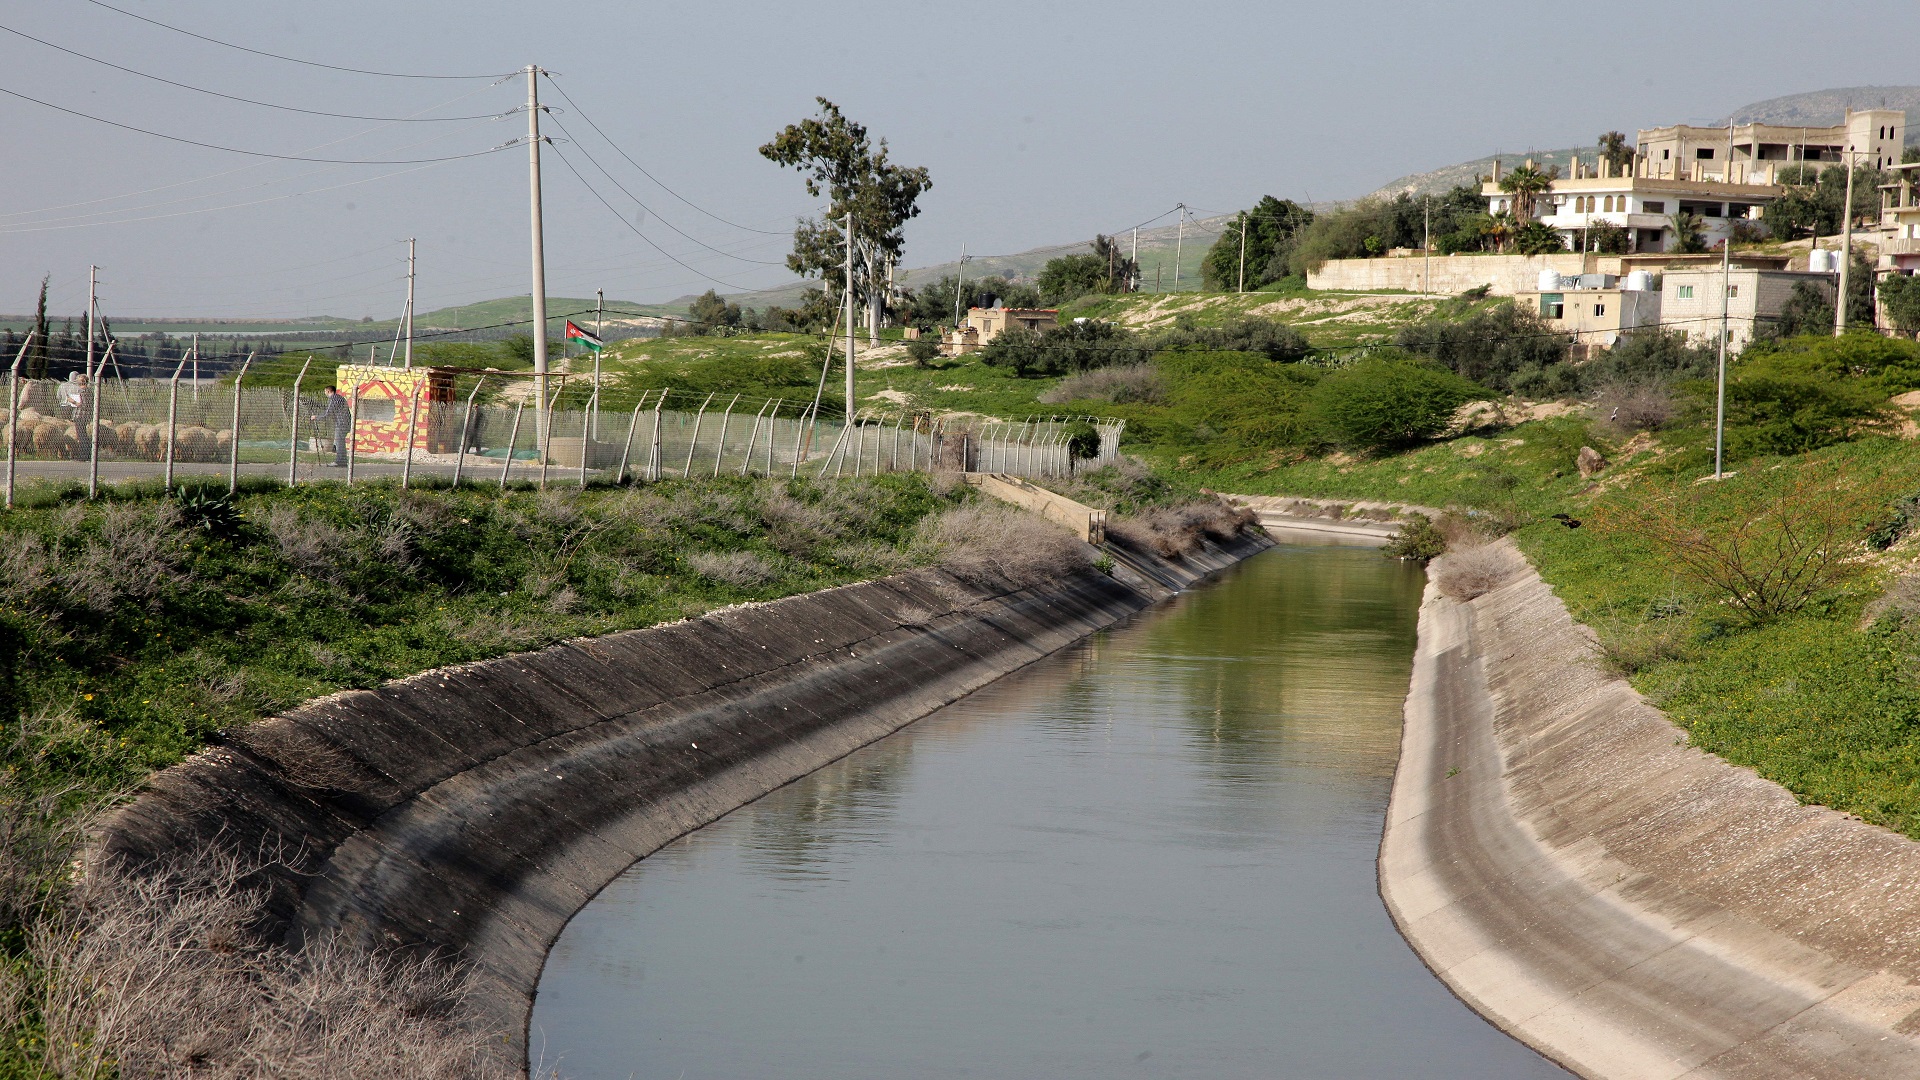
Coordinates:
(1635,406)
(1229,406)
(1384,404)
(1247,333)
(1785,403)
(1765,542)
(1174,532)
(1900,294)
(1467,573)
(1417,540)
(1488,347)
(1130,384)
(994,544)
(1077,346)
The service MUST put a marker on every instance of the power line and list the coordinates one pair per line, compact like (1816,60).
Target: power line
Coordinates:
(289,59)
(250,153)
(630,226)
(245,100)
(650,210)
(643,169)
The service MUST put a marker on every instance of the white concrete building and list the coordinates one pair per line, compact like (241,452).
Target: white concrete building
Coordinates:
(1690,300)
(1641,204)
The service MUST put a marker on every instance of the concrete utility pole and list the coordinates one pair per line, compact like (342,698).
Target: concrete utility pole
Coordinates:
(599,331)
(1720,390)
(1179,243)
(957,286)
(410,303)
(1134,277)
(849,316)
(1846,250)
(1426,245)
(93,299)
(539,254)
(1243,251)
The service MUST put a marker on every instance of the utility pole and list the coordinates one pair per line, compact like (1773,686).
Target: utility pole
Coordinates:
(93,298)
(1134,277)
(599,331)
(1720,391)
(1243,251)
(849,315)
(958,284)
(1426,244)
(410,303)
(1179,243)
(1846,251)
(539,257)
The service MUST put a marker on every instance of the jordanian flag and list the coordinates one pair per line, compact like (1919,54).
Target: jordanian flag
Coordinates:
(574,333)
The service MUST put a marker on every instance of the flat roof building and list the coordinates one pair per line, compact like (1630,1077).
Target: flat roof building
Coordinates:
(1690,300)
(1685,150)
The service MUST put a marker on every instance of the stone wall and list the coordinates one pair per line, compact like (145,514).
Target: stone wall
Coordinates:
(1506,274)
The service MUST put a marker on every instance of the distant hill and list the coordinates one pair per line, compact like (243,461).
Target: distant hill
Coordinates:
(1818,108)
(1452,176)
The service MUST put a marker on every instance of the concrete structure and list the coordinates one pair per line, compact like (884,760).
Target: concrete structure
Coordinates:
(1626,904)
(1595,308)
(1087,523)
(1637,200)
(1900,213)
(1690,300)
(1683,149)
(1503,275)
(985,324)
(472,810)
(385,413)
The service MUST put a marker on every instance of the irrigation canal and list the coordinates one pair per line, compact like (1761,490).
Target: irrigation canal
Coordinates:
(1150,855)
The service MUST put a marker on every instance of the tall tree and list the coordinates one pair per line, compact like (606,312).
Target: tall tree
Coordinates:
(39,355)
(1615,151)
(1271,227)
(838,158)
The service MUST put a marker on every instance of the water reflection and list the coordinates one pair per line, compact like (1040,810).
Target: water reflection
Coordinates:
(1151,855)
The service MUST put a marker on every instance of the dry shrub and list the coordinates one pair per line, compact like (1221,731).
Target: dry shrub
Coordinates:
(1901,600)
(1766,542)
(1174,532)
(164,973)
(308,544)
(38,835)
(134,558)
(1635,405)
(1465,573)
(743,569)
(1122,384)
(992,542)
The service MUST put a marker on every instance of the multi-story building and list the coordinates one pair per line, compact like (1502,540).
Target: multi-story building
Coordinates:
(1900,214)
(1594,309)
(1731,153)
(1643,204)
(1691,300)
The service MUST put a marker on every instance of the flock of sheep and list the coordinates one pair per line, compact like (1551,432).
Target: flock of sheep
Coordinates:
(49,436)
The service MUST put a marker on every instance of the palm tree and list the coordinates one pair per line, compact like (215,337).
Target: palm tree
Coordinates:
(1687,236)
(1500,230)
(1526,184)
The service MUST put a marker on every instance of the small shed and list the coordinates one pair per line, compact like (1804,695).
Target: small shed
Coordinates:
(384,414)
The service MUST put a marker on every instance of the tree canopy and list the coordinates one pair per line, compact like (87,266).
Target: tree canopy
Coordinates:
(1270,228)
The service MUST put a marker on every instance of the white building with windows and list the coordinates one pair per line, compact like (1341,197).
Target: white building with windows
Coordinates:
(1691,300)
(1643,205)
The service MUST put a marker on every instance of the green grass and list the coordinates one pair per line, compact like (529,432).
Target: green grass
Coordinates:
(152,624)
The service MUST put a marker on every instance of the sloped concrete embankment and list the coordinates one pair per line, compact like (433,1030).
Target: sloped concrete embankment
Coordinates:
(474,809)
(1628,905)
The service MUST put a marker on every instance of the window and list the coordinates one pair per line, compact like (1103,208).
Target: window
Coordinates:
(1654,206)
(1705,153)
(1685,292)
(1733,290)
(1599,309)
(1608,204)
(1553,305)
(1665,154)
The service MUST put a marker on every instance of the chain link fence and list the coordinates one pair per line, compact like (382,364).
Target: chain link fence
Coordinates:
(499,427)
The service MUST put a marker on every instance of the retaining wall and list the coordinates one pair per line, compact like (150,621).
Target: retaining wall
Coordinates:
(474,809)
(1629,905)
(1506,274)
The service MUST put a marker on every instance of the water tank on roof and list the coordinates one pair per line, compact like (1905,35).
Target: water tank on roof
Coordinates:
(1822,261)
(1639,281)
(1549,281)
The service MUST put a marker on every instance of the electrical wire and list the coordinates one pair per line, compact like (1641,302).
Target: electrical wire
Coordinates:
(250,153)
(650,210)
(643,170)
(289,59)
(635,231)
(245,100)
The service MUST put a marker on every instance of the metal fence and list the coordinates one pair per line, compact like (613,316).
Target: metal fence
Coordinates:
(424,421)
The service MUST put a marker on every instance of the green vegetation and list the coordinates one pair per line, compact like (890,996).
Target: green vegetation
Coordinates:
(1271,228)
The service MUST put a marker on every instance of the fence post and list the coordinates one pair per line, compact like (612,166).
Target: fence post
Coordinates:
(694,442)
(93,423)
(653,452)
(725,419)
(13,412)
(832,453)
(353,431)
(173,417)
(546,430)
(799,434)
(293,440)
(626,448)
(859,450)
(753,439)
(893,459)
(466,432)
(773,428)
(512,438)
(587,429)
(413,429)
(233,451)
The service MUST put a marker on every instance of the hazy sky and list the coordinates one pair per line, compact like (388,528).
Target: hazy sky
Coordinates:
(1041,122)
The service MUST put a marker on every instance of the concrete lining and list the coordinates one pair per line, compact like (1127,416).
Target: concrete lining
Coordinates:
(1624,903)
(474,809)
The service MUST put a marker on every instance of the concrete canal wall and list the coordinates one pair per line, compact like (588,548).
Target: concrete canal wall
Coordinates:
(474,809)
(1629,905)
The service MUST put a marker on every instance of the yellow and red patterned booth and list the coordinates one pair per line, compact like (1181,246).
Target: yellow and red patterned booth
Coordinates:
(386,412)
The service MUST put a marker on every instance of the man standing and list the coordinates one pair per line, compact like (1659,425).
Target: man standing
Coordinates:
(342,417)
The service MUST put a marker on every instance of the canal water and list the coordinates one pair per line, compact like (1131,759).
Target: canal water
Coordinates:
(1150,855)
